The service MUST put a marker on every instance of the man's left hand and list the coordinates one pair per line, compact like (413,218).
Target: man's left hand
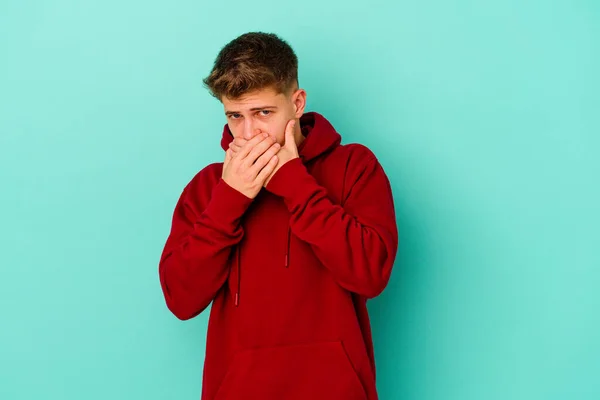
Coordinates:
(288,151)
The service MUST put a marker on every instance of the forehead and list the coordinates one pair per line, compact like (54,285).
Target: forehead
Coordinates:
(259,98)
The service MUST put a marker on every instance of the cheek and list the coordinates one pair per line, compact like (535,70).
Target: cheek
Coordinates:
(277,131)
(280,138)
(237,130)
(233,129)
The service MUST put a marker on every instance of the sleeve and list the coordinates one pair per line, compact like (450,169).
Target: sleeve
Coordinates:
(193,264)
(356,242)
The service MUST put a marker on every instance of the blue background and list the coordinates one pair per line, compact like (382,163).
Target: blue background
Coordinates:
(485,115)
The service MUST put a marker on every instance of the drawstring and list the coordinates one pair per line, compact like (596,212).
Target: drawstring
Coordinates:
(239,262)
(237,291)
(287,249)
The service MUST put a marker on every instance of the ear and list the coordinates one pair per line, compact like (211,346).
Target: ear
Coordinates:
(299,101)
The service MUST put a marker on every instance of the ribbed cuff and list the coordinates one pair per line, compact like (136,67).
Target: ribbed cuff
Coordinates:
(227,204)
(291,181)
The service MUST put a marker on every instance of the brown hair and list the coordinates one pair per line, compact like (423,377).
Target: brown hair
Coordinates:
(253,61)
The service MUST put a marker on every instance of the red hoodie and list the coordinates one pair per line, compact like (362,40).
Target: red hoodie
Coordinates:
(289,273)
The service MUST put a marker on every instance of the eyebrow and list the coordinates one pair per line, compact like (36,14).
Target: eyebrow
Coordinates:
(252,109)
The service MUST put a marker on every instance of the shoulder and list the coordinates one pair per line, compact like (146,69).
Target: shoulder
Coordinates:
(359,152)
(202,183)
(209,174)
(356,158)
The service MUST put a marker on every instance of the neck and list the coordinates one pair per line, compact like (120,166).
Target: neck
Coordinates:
(299,139)
(298,136)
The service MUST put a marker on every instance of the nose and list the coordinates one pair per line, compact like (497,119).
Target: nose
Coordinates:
(249,130)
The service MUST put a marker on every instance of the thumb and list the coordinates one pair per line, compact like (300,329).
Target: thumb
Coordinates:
(289,134)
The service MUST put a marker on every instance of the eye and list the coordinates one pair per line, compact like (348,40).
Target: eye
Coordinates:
(265,112)
(235,116)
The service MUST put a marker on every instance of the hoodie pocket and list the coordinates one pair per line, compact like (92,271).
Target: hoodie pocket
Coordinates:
(311,371)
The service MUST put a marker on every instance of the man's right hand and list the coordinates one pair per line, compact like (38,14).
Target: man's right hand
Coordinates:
(247,170)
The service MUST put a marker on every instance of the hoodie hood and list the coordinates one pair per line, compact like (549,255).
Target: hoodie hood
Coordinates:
(320,136)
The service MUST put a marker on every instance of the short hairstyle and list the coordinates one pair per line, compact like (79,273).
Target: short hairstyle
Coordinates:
(253,61)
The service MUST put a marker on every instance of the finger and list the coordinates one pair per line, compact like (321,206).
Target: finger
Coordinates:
(227,158)
(239,142)
(257,151)
(249,145)
(264,159)
(268,169)
(234,147)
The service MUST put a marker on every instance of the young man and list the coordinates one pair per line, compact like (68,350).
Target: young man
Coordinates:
(288,237)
